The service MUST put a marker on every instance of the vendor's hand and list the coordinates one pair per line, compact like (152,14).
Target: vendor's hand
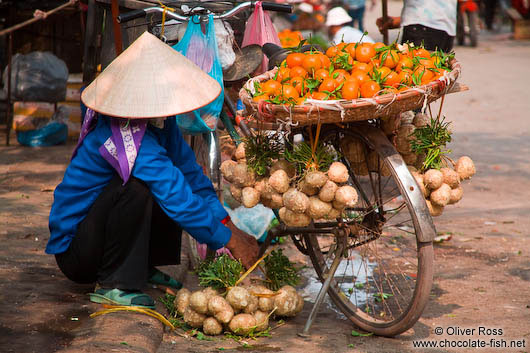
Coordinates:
(390,23)
(243,246)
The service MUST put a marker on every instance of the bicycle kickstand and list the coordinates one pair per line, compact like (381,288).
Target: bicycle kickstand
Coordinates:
(341,245)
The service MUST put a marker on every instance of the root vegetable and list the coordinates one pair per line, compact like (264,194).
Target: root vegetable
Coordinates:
(279,181)
(242,324)
(338,173)
(338,205)
(293,219)
(249,197)
(295,201)
(182,300)
(211,327)
(333,214)
(433,179)
(317,208)
(421,120)
(243,176)
(316,179)
(403,145)
(227,169)
(441,196)
(264,303)
(327,192)
(346,195)
(220,309)
(210,292)
(286,301)
(236,192)
(199,302)
(434,210)
(262,186)
(240,151)
(252,306)
(419,180)
(353,149)
(450,177)
(389,125)
(238,298)
(299,305)
(456,195)
(276,201)
(405,131)
(307,189)
(283,165)
(410,158)
(407,117)
(465,167)
(262,321)
(193,318)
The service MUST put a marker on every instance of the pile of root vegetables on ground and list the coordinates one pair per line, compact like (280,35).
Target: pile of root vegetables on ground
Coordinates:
(223,305)
(422,140)
(304,182)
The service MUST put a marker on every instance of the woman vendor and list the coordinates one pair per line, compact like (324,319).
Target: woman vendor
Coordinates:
(133,183)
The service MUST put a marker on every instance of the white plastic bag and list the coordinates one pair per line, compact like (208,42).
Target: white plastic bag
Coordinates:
(225,41)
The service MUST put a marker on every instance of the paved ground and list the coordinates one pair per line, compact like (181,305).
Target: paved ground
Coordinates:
(482,275)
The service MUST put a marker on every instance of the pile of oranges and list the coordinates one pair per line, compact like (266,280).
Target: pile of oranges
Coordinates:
(290,38)
(350,71)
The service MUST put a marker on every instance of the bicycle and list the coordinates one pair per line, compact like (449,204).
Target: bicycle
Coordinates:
(376,263)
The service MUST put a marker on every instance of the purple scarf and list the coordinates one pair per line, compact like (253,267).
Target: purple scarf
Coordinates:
(121,148)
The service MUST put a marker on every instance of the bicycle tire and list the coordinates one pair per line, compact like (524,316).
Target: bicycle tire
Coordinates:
(395,289)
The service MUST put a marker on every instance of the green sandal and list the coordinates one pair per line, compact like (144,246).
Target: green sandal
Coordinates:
(118,297)
(158,277)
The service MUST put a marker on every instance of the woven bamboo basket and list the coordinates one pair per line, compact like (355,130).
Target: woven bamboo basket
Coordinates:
(342,111)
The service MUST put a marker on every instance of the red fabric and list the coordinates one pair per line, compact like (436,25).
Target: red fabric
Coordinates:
(226,220)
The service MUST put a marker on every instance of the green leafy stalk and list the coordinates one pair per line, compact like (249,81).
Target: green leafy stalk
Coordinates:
(261,150)
(219,273)
(280,271)
(301,157)
(430,141)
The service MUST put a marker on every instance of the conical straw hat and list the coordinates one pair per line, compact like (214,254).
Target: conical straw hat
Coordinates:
(150,80)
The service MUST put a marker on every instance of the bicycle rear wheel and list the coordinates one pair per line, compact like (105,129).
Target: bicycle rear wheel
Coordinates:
(385,275)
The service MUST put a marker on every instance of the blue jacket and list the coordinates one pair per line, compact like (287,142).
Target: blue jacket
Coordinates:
(165,163)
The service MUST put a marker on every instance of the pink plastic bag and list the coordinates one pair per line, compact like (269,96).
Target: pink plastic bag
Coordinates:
(259,30)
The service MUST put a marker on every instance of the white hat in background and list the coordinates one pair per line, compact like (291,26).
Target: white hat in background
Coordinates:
(337,16)
(305,7)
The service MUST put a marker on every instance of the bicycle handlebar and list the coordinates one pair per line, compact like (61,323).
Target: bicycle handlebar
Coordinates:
(269,6)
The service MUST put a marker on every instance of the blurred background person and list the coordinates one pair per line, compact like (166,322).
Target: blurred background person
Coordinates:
(337,22)
(356,9)
(431,22)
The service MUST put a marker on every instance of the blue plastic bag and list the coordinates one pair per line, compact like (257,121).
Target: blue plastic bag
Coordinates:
(54,133)
(201,49)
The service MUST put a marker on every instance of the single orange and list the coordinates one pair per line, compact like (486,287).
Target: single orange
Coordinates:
(340,75)
(321,74)
(392,79)
(364,52)
(328,84)
(391,58)
(298,71)
(350,90)
(283,74)
(298,82)
(404,63)
(312,62)
(360,76)
(295,59)
(289,91)
(319,96)
(326,63)
(271,87)
(369,89)
(332,52)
